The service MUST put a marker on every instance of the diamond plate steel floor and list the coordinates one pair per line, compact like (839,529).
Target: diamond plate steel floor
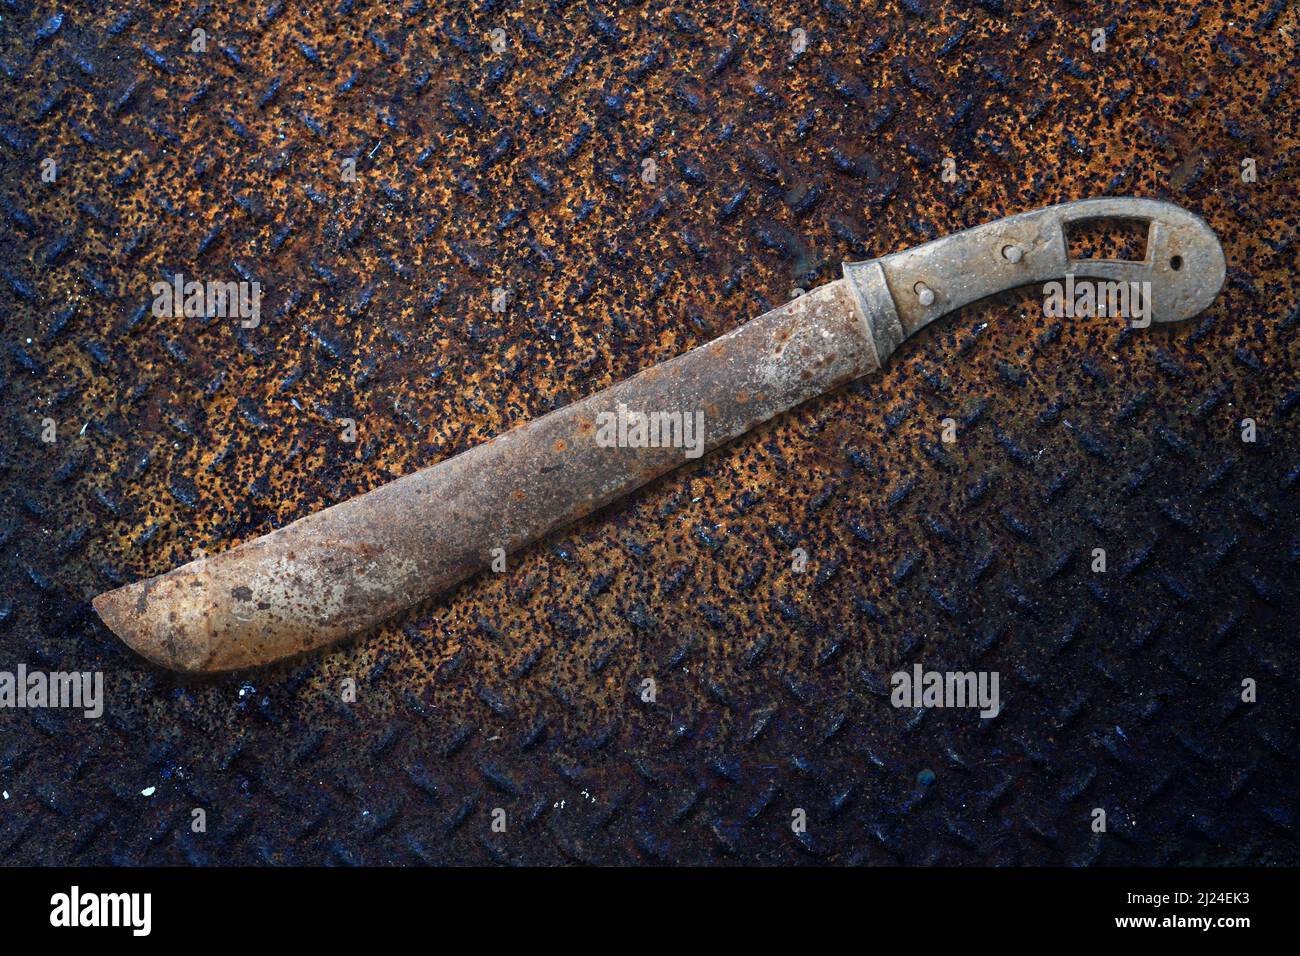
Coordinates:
(517,161)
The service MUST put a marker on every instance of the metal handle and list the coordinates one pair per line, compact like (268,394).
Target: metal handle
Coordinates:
(1184,265)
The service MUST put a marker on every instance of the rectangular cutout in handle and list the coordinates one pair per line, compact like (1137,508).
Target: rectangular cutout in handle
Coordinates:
(1111,237)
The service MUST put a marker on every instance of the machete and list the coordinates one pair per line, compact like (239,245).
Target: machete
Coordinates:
(348,567)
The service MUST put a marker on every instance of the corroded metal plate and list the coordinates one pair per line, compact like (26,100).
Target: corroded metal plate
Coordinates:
(524,169)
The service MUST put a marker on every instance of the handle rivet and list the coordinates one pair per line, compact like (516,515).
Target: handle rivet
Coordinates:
(924,294)
(1012,253)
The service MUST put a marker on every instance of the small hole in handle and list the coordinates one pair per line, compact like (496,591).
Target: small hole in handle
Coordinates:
(1176,263)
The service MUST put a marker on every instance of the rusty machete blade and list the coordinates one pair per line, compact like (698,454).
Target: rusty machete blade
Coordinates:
(346,568)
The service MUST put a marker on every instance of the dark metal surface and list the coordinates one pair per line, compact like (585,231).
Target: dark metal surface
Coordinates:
(522,170)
